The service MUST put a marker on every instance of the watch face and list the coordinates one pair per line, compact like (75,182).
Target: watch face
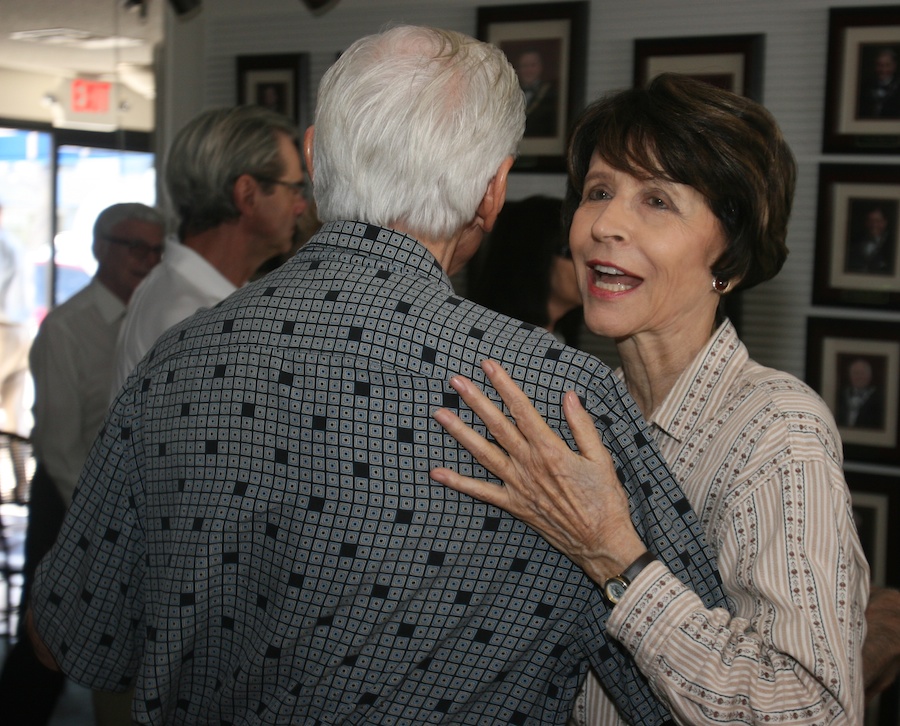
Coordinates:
(615,589)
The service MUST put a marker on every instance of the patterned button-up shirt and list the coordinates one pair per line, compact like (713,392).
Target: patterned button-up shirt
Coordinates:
(256,538)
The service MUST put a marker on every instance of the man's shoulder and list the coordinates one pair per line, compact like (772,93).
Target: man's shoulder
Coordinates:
(81,303)
(168,293)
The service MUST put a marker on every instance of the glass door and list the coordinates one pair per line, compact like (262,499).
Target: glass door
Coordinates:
(53,184)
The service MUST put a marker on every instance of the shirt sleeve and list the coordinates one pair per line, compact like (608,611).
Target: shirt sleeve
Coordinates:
(791,562)
(87,596)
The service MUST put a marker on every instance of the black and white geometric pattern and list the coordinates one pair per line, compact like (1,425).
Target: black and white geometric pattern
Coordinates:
(255,538)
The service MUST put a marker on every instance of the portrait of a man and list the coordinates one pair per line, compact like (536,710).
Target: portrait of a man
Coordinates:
(537,67)
(879,83)
(860,401)
(871,236)
(272,96)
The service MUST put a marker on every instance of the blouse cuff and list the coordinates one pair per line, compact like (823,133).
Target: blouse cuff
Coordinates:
(655,605)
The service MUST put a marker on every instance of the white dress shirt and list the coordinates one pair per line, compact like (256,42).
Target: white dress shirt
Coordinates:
(175,289)
(72,361)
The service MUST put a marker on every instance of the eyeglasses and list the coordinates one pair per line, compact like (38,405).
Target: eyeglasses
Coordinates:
(137,247)
(300,188)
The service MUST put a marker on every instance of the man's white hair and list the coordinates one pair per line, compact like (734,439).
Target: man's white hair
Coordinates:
(411,125)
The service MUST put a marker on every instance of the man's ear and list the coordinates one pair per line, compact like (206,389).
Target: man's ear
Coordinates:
(308,151)
(495,195)
(243,193)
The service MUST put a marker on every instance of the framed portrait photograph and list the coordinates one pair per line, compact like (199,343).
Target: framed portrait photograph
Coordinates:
(277,82)
(547,45)
(876,511)
(862,89)
(732,62)
(855,366)
(857,261)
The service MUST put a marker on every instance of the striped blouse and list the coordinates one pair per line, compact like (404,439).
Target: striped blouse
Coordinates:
(757,454)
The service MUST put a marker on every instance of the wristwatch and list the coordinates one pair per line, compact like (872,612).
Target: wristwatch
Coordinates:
(614,588)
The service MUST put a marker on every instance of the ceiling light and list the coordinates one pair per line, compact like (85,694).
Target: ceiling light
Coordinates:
(75,38)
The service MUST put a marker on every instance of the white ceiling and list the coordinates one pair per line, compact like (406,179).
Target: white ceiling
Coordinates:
(103,18)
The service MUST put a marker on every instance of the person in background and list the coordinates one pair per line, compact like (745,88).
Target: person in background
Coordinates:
(308,224)
(256,538)
(15,340)
(234,178)
(679,194)
(71,362)
(524,268)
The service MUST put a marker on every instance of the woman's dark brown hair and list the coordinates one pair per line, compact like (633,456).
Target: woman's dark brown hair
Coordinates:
(725,146)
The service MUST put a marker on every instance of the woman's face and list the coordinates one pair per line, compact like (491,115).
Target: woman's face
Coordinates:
(643,251)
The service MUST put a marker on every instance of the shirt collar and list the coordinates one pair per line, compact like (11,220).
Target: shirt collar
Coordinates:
(110,306)
(703,384)
(389,249)
(189,263)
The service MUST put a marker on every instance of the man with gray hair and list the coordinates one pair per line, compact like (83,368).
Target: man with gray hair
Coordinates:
(257,539)
(234,178)
(71,362)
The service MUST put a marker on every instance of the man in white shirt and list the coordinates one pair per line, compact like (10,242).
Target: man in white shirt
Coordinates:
(235,179)
(71,361)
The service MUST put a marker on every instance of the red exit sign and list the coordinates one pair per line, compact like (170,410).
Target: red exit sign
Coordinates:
(90,96)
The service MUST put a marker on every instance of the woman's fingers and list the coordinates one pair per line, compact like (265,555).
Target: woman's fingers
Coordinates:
(489,455)
(529,423)
(476,488)
(501,428)
(588,440)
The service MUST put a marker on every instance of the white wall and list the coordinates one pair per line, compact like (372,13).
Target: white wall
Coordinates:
(794,88)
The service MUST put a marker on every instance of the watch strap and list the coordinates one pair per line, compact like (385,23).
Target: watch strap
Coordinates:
(635,568)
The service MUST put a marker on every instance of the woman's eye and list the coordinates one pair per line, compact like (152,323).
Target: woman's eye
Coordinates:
(596,194)
(658,203)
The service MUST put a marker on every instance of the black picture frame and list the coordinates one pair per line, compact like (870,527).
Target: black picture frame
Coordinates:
(859,118)
(877,496)
(279,82)
(732,62)
(876,510)
(857,254)
(551,36)
(842,352)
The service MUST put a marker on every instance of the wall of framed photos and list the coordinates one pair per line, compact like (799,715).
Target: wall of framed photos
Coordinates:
(794,61)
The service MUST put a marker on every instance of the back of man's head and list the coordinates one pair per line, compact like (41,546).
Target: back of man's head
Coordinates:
(211,152)
(411,124)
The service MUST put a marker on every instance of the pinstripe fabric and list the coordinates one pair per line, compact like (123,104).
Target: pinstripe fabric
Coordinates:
(758,456)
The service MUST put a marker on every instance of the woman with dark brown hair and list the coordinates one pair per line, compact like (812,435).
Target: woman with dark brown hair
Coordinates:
(679,194)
